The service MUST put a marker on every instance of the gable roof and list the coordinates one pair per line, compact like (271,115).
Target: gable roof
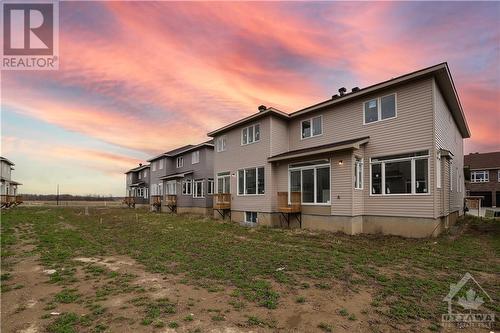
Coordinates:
(183,150)
(440,72)
(483,160)
(6,160)
(138,168)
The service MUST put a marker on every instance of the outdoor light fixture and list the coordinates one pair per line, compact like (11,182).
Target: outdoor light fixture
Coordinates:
(341,162)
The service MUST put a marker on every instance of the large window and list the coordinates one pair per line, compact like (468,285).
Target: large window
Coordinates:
(251,181)
(210,189)
(180,162)
(195,157)
(171,187)
(400,174)
(220,143)
(358,174)
(380,108)
(198,189)
(223,182)
(481,176)
(187,187)
(311,127)
(250,134)
(312,179)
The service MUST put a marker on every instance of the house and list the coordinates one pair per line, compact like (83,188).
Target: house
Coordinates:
(137,188)
(182,179)
(8,187)
(384,159)
(484,177)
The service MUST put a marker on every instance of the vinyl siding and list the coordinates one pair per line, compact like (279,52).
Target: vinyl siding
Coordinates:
(447,136)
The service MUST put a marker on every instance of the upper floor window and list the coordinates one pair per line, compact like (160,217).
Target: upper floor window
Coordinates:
(481,176)
(145,173)
(160,164)
(400,174)
(250,134)
(139,175)
(195,157)
(220,143)
(180,162)
(358,173)
(153,166)
(380,108)
(311,127)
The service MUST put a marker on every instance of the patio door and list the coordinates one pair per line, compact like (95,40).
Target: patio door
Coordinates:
(224,182)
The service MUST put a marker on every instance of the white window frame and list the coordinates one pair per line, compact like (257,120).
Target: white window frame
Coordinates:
(498,175)
(180,162)
(195,157)
(245,194)
(139,175)
(226,176)
(438,170)
(153,166)
(171,187)
(379,109)
(210,186)
(197,183)
(312,129)
(146,193)
(413,175)
(160,164)
(221,144)
(486,177)
(185,187)
(358,173)
(256,217)
(247,129)
(308,167)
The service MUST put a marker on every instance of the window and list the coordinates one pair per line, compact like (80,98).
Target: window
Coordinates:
(312,127)
(146,193)
(153,166)
(220,143)
(140,192)
(250,134)
(451,178)
(195,157)
(171,187)
(187,187)
(438,170)
(223,182)
(210,189)
(358,173)
(380,108)
(160,188)
(400,174)
(145,173)
(251,217)
(180,162)
(198,189)
(251,181)
(481,176)
(139,175)
(498,175)
(312,180)
(161,164)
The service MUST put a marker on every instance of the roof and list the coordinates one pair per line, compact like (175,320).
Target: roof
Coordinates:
(335,146)
(483,160)
(255,116)
(137,184)
(183,150)
(139,168)
(176,175)
(440,72)
(6,160)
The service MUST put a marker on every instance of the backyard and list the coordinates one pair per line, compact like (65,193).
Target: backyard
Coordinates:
(121,270)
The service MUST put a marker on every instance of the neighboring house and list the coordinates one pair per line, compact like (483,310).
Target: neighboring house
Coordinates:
(182,179)
(138,185)
(384,159)
(484,177)
(8,187)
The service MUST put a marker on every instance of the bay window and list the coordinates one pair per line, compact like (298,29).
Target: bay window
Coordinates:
(251,181)
(400,174)
(312,179)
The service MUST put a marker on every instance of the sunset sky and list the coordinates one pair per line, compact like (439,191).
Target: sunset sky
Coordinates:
(137,79)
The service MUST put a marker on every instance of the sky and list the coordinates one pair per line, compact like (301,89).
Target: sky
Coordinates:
(137,79)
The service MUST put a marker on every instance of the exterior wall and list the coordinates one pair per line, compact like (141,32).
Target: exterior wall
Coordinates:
(493,186)
(5,171)
(156,173)
(447,136)
(134,178)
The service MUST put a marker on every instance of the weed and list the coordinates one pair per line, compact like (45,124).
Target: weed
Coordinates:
(325,327)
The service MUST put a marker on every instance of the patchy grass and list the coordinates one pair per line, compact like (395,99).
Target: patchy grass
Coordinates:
(408,277)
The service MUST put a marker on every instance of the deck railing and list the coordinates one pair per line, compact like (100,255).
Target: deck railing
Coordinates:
(222,200)
(10,200)
(171,200)
(289,206)
(156,199)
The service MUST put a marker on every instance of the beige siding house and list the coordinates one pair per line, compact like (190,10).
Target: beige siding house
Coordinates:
(384,159)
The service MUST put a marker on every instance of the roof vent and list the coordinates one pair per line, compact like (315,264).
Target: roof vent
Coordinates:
(140,164)
(342,91)
(335,96)
(355,89)
(262,108)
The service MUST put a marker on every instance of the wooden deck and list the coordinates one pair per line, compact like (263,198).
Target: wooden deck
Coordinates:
(129,201)
(7,201)
(156,202)
(222,201)
(171,202)
(290,208)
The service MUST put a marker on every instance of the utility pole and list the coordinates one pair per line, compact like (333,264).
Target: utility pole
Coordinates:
(57,197)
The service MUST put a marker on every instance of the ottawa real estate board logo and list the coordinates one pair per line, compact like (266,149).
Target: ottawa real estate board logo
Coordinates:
(30,35)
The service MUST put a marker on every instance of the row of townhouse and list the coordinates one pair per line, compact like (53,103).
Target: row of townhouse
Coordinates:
(8,186)
(387,158)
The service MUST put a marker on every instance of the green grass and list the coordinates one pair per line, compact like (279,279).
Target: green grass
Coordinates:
(409,276)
